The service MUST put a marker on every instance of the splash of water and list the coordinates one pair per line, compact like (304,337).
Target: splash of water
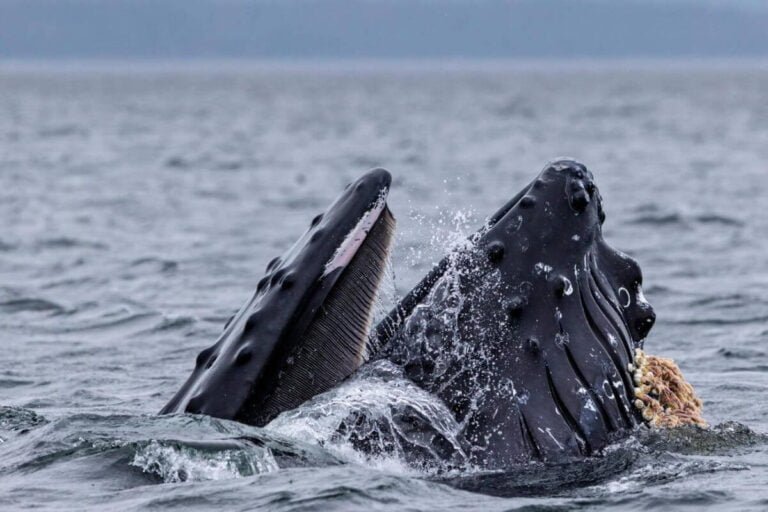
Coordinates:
(176,462)
(367,419)
(380,416)
(386,298)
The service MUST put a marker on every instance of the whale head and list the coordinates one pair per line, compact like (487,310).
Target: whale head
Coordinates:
(529,336)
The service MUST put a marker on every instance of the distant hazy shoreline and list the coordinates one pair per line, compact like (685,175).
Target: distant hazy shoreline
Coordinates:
(363,65)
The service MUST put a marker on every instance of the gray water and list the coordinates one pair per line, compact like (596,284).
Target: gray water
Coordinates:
(141,203)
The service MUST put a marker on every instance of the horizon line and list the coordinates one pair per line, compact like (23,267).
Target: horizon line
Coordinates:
(373,63)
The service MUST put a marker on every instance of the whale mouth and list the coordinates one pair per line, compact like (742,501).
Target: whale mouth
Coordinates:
(359,234)
(335,342)
(307,326)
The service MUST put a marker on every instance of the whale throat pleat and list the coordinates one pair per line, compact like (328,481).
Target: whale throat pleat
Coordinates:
(337,341)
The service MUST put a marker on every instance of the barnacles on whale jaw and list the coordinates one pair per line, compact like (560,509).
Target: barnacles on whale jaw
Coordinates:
(662,394)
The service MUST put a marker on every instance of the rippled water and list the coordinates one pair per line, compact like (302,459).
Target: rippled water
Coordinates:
(142,203)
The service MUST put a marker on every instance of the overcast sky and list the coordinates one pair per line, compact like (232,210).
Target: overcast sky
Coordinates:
(308,29)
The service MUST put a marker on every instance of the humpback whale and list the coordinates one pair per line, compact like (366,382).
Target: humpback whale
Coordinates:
(530,335)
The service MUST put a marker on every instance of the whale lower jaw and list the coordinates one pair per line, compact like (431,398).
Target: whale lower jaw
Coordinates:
(306,327)
(336,343)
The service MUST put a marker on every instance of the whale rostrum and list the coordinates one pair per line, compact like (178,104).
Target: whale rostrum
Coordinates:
(529,335)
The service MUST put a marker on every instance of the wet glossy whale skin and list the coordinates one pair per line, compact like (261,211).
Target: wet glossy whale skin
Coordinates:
(529,334)
(261,364)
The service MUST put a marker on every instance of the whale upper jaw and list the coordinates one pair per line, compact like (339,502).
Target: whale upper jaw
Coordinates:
(536,360)
(306,327)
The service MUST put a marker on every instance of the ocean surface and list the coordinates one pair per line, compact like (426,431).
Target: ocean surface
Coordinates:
(140,204)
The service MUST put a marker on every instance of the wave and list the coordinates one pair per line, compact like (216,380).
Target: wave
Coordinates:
(66,242)
(159,264)
(22,304)
(680,219)
(754,319)
(123,451)
(184,461)
(163,448)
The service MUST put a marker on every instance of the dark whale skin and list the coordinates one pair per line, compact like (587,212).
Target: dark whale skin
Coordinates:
(238,377)
(528,335)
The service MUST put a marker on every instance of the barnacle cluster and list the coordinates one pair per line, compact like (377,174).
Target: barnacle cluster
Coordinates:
(662,394)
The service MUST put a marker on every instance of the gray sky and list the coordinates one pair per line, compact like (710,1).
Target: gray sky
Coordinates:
(309,29)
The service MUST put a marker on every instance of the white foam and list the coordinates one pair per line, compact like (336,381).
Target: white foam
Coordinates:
(174,462)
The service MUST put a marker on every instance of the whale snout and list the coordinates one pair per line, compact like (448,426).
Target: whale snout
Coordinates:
(377,177)
(371,182)
(641,315)
(644,323)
